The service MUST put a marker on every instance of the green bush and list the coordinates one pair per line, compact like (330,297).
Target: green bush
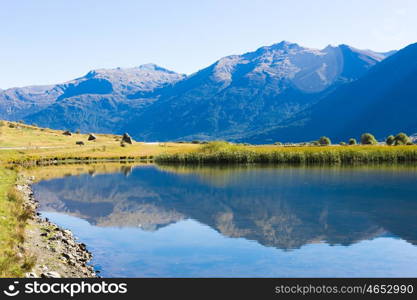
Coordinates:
(390,140)
(352,141)
(401,139)
(342,144)
(215,146)
(368,139)
(324,141)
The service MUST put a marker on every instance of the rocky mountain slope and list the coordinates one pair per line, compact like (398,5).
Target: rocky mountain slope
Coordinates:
(97,101)
(246,93)
(237,97)
(383,102)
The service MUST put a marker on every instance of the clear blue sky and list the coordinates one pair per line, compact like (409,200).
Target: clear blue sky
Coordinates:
(51,41)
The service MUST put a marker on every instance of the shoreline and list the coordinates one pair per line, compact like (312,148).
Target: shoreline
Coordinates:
(57,252)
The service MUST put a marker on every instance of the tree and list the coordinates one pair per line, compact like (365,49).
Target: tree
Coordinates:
(324,141)
(368,139)
(352,141)
(390,140)
(401,139)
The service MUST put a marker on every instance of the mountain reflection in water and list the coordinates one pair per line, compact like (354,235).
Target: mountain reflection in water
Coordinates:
(281,207)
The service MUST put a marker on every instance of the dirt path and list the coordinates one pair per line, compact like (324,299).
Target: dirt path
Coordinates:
(32,147)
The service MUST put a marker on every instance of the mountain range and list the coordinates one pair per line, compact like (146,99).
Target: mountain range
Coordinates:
(283,92)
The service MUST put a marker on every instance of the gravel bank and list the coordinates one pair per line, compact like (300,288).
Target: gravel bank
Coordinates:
(57,252)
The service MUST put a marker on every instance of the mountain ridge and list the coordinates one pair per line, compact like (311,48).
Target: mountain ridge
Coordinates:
(238,92)
(364,105)
(235,97)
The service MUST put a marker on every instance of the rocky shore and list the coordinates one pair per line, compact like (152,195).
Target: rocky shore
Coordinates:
(56,250)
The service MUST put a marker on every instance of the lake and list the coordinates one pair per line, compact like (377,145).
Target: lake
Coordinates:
(167,221)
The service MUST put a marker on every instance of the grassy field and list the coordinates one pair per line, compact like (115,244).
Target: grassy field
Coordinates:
(21,143)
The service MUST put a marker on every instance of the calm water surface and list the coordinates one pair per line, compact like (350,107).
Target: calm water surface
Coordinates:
(151,221)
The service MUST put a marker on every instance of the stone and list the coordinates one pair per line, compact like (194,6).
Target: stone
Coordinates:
(50,274)
(67,232)
(92,137)
(31,275)
(43,268)
(127,139)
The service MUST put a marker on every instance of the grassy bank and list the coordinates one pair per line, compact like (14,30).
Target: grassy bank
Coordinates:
(222,152)
(13,216)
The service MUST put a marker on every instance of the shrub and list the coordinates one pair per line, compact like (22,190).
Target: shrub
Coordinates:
(342,144)
(278,143)
(390,140)
(352,141)
(401,139)
(368,139)
(215,146)
(324,141)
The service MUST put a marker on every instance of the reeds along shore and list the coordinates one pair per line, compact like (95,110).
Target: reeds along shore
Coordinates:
(222,153)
